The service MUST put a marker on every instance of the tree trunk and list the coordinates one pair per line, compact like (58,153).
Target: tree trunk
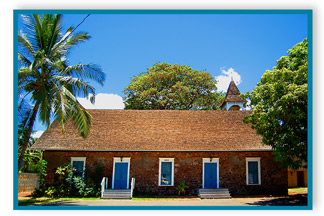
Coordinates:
(27,137)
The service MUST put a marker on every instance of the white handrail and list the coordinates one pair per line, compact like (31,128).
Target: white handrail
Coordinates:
(132,186)
(104,185)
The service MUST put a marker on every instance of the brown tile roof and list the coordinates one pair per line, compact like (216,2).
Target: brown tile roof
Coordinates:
(233,94)
(158,130)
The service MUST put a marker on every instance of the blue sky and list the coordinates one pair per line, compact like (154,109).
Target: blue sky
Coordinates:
(243,46)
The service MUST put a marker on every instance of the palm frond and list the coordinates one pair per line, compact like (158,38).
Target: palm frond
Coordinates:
(60,64)
(23,60)
(74,85)
(24,111)
(33,27)
(57,48)
(33,155)
(66,106)
(81,118)
(68,41)
(44,96)
(25,73)
(61,106)
(40,32)
(55,33)
(76,39)
(25,43)
(45,111)
(25,78)
(87,71)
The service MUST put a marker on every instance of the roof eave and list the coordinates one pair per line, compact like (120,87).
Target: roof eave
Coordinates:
(175,150)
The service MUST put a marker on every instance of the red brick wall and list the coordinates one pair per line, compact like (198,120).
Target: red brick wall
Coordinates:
(144,167)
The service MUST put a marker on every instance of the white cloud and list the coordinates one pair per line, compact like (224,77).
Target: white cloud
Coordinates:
(224,80)
(37,134)
(248,104)
(103,101)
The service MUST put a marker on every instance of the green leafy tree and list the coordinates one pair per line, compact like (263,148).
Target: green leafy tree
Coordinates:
(47,78)
(172,87)
(279,105)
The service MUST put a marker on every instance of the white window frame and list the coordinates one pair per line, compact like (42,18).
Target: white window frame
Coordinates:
(161,160)
(253,159)
(79,159)
(121,160)
(210,160)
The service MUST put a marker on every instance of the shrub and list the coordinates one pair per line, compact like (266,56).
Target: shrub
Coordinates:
(182,188)
(40,168)
(51,191)
(149,190)
(69,185)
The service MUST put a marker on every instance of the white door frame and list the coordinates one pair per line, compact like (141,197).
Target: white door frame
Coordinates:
(210,160)
(121,160)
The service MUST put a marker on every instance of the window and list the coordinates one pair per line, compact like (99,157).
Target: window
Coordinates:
(78,166)
(166,171)
(253,171)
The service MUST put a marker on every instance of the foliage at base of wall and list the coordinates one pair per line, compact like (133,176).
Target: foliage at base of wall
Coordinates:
(69,185)
(182,188)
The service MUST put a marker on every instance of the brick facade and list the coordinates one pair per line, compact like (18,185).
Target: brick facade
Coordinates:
(144,167)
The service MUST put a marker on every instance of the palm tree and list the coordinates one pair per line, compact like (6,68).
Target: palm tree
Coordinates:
(46,76)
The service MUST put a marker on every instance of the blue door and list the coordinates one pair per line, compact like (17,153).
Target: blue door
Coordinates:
(120,181)
(210,178)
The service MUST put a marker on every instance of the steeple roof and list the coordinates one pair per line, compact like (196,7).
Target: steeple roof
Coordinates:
(233,94)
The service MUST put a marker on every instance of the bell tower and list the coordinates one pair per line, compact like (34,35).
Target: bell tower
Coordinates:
(233,100)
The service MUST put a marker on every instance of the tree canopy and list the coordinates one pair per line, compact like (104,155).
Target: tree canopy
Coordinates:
(279,105)
(46,76)
(172,87)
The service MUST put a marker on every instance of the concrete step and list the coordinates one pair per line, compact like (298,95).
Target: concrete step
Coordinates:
(115,197)
(214,190)
(120,192)
(221,193)
(214,197)
(117,194)
(217,193)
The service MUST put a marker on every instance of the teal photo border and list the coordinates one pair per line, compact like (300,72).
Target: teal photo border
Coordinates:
(309,14)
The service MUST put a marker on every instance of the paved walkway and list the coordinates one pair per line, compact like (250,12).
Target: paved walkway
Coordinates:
(264,201)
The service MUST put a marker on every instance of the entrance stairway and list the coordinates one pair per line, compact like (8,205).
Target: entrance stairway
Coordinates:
(116,193)
(220,193)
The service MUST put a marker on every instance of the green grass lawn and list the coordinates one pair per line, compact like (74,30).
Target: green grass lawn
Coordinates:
(297,190)
(44,200)
(162,198)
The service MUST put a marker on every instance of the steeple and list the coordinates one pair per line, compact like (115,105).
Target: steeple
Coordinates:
(233,100)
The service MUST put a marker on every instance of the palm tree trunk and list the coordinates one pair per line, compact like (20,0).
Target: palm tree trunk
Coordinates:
(27,137)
